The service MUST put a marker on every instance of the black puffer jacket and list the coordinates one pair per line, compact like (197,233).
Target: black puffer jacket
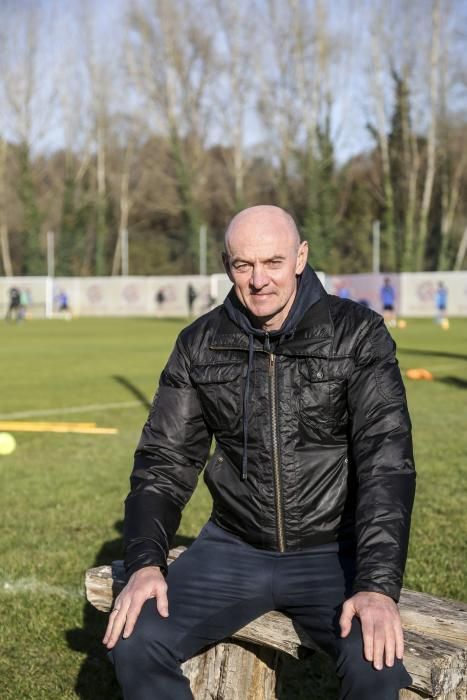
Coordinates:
(312,431)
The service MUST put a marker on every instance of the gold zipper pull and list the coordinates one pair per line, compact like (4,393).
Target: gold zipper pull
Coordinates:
(272,359)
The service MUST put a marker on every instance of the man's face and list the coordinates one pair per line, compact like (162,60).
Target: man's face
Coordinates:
(263,258)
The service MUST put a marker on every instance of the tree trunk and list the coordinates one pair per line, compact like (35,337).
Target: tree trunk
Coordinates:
(461,251)
(4,241)
(124,213)
(388,214)
(431,141)
(450,197)
(101,203)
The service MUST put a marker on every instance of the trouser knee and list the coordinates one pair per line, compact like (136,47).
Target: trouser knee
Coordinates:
(138,658)
(360,680)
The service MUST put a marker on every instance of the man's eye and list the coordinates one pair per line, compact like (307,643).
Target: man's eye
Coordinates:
(241,267)
(275,263)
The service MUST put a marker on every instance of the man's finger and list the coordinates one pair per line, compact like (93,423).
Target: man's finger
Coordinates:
(368,637)
(118,622)
(389,645)
(117,625)
(379,641)
(162,603)
(399,641)
(132,614)
(110,624)
(345,621)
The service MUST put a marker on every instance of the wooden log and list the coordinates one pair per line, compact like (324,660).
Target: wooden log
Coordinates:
(438,617)
(435,635)
(230,671)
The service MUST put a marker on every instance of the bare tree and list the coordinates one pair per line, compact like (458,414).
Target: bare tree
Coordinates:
(171,61)
(236,85)
(276,93)
(28,108)
(378,54)
(432,133)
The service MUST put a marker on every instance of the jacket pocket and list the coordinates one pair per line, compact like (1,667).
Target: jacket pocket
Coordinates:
(322,399)
(220,391)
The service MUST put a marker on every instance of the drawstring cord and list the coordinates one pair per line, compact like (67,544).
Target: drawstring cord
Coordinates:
(246,404)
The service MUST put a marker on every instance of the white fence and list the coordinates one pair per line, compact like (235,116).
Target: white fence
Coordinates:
(415,291)
(169,296)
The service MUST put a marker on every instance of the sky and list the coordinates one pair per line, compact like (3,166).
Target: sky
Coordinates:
(59,20)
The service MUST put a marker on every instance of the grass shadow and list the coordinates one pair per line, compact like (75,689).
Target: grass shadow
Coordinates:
(457,382)
(431,353)
(134,391)
(96,677)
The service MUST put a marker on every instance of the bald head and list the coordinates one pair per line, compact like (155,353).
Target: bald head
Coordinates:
(263,258)
(259,220)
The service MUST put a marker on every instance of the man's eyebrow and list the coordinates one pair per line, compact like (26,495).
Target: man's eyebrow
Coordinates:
(238,258)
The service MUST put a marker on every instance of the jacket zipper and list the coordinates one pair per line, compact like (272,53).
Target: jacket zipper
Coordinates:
(276,455)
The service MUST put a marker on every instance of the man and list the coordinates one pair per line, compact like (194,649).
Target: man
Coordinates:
(388,300)
(14,306)
(441,303)
(312,478)
(191,295)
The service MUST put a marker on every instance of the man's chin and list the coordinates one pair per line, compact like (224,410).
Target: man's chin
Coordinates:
(263,311)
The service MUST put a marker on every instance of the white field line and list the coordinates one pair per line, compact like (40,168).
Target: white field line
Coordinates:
(33,585)
(69,409)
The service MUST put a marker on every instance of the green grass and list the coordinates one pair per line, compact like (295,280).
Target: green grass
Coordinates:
(61,495)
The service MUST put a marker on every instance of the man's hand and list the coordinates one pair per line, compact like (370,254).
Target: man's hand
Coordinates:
(145,583)
(381,626)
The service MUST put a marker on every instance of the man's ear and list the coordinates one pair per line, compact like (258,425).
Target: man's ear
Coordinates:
(225,261)
(302,257)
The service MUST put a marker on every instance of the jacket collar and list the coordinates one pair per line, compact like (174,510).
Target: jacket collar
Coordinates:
(311,334)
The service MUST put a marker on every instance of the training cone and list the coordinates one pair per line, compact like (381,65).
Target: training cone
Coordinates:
(445,324)
(401,323)
(7,444)
(419,374)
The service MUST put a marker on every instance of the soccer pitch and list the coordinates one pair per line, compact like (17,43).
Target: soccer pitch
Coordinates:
(62,494)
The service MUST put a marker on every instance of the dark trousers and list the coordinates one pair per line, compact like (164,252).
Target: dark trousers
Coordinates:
(219,585)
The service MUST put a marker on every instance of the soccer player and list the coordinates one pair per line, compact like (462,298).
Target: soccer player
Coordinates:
(388,301)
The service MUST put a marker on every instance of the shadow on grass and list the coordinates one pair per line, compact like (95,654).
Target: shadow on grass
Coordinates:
(96,677)
(137,393)
(431,353)
(456,382)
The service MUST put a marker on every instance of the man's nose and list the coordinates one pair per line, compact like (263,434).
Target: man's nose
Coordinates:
(259,278)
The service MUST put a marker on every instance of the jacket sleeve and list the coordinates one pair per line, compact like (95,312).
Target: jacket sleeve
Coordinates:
(382,455)
(171,453)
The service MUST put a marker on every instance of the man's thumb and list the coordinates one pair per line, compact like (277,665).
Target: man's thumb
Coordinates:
(162,605)
(345,621)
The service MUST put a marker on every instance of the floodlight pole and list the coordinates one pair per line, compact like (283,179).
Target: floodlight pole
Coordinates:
(376,246)
(202,250)
(49,282)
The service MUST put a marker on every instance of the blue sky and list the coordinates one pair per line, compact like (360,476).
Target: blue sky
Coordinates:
(351,110)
